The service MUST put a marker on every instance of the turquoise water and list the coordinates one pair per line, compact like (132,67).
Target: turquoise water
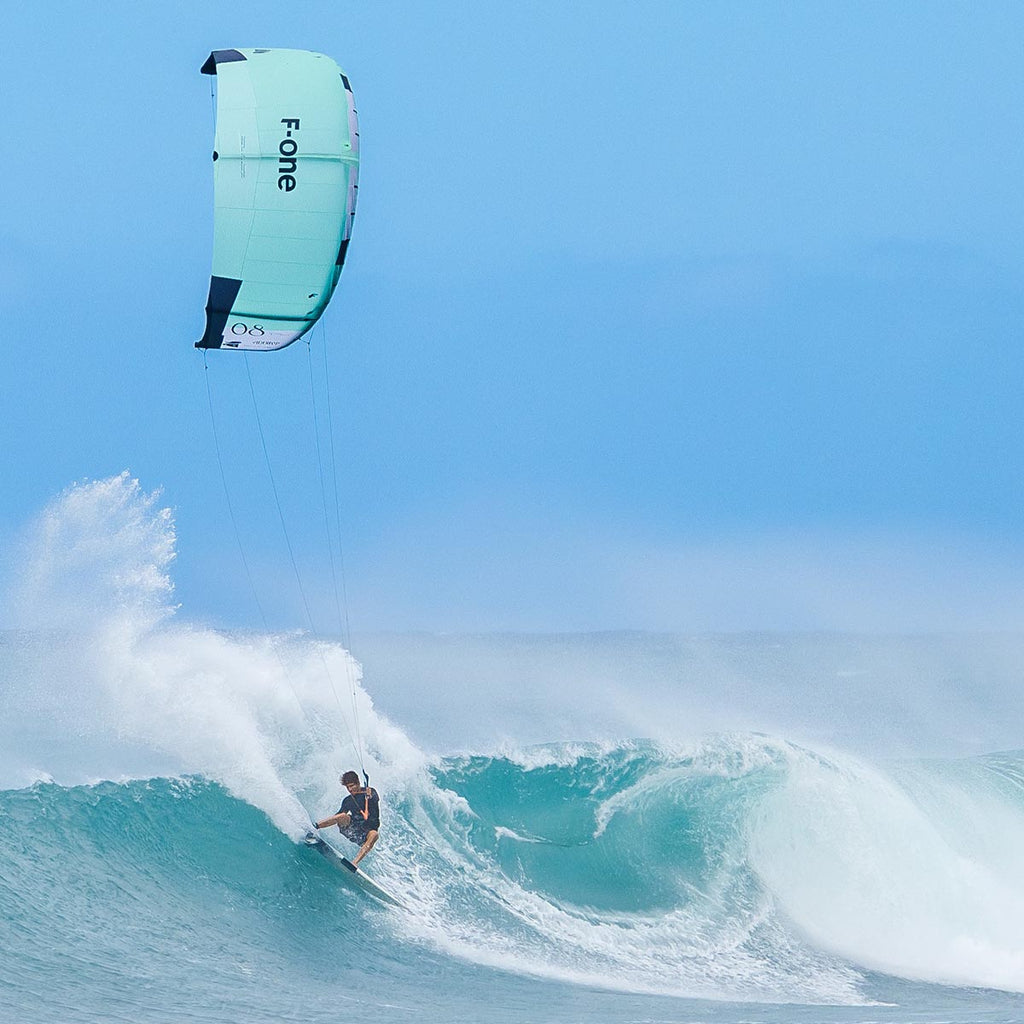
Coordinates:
(616,886)
(619,827)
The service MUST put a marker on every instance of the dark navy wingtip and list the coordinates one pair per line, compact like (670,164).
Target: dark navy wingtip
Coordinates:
(223,292)
(209,340)
(220,57)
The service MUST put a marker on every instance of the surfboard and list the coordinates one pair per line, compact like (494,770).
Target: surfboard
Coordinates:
(355,876)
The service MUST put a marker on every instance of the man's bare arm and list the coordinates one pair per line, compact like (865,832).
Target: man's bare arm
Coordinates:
(344,819)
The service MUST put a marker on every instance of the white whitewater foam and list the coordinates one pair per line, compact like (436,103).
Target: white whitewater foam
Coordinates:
(908,877)
(271,718)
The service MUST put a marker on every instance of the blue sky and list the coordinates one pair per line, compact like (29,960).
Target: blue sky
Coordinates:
(656,315)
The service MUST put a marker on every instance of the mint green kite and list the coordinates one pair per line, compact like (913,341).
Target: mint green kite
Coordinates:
(286,164)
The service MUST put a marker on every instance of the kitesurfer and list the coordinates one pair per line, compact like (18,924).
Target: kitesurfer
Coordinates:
(358,817)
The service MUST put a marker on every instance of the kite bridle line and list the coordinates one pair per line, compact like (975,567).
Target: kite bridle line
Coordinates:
(295,567)
(357,746)
(340,596)
(245,562)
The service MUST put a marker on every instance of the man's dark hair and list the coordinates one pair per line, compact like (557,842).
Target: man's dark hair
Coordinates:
(349,777)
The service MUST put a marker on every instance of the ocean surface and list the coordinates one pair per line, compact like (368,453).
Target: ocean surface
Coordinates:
(616,827)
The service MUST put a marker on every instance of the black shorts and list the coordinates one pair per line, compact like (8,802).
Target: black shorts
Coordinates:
(355,835)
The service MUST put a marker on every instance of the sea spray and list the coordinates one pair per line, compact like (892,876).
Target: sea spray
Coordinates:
(260,714)
(100,551)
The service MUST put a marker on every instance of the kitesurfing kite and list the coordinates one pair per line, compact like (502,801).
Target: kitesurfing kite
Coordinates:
(286,164)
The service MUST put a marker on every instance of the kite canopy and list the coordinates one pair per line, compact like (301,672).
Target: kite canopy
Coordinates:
(286,164)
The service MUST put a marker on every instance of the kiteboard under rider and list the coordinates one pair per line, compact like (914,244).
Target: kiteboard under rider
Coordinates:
(358,817)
